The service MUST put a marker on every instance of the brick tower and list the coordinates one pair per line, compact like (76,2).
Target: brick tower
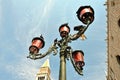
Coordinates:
(113,39)
(44,73)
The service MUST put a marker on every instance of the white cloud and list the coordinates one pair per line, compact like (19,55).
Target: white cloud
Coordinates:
(33,21)
(42,16)
(1,16)
(24,70)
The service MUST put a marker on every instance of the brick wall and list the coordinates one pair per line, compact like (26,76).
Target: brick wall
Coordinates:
(113,43)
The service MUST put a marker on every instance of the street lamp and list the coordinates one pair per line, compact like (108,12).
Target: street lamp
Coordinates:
(37,44)
(85,14)
(66,52)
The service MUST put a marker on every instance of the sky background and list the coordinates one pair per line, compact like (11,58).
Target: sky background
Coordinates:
(21,20)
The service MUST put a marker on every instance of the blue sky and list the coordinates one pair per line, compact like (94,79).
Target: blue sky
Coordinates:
(21,20)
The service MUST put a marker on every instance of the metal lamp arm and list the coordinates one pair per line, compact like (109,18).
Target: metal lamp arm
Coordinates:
(81,29)
(52,48)
(85,29)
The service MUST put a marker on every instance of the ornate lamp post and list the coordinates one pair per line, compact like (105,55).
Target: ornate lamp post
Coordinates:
(84,14)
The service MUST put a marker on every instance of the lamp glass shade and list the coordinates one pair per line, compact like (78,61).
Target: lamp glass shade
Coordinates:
(64,28)
(78,56)
(37,43)
(85,14)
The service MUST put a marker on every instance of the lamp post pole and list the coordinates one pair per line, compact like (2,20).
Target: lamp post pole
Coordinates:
(84,14)
(63,56)
(62,71)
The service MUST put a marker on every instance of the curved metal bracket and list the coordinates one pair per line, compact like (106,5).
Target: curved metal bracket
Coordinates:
(53,49)
(81,29)
(78,70)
